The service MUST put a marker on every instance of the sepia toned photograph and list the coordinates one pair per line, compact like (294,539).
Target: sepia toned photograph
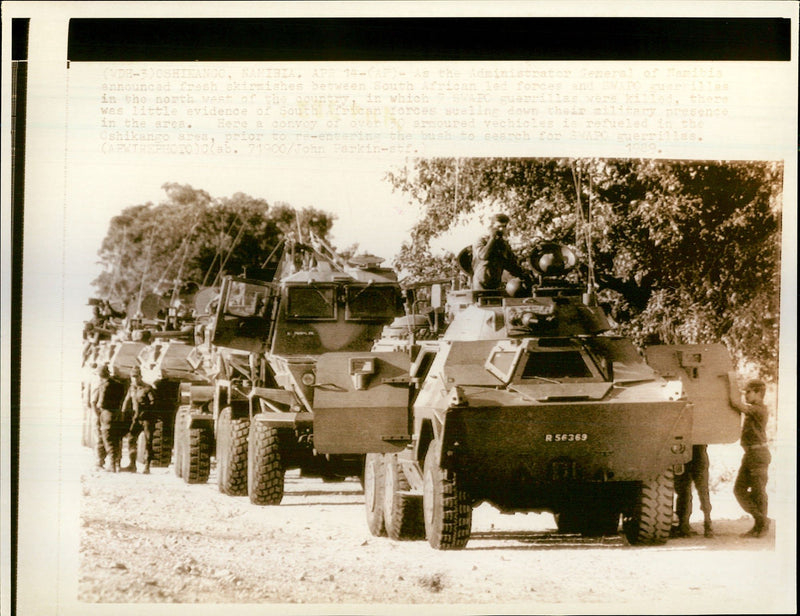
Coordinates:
(338,312)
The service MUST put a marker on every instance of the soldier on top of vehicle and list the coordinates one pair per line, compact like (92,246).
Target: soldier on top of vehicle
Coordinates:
(491,255)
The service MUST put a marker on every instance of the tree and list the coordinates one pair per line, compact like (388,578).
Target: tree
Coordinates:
(686,251)
(192,238)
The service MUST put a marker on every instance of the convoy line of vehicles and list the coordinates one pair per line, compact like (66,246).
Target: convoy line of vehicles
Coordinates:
(522,398)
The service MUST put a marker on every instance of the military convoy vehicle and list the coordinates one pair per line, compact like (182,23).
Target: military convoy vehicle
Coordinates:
(527,402)
(165,365)
(264,347)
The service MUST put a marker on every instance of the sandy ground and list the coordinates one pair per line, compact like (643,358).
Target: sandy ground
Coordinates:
(153,539)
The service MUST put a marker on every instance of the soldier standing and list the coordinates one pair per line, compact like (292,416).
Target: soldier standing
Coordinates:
(136,412)
(107,398)
(491,255)
(750,488)
(696,471)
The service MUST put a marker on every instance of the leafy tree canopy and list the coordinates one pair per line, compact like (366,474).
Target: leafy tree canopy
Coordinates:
(191,238)
(685,252)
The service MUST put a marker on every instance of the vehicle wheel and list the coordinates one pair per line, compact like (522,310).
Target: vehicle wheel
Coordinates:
(232,453)
(180,439)
(197,456)
(402,514)
(373,493)
(264,468)
(162,442)
(448,512)
(650,519)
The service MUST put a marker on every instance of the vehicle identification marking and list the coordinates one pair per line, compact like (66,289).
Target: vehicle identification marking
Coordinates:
(569,437)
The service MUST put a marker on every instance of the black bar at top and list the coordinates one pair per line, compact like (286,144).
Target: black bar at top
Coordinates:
(19,38)
(414,39)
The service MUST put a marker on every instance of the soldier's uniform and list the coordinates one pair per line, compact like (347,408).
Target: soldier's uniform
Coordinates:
(750,488)
(137,415)
(108,396)
(696,471)
(491,255)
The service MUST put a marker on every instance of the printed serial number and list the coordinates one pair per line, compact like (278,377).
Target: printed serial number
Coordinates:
(555,438)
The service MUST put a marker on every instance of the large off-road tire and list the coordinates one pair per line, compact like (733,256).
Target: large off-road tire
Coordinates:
(402,513)
(197,455)
(163,431)
(232,453)
(373,493)
(181,435)
(650,519)
(264,469)
(162,443)
(446,506)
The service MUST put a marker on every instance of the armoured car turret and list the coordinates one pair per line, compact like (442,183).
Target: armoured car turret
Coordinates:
(529,403)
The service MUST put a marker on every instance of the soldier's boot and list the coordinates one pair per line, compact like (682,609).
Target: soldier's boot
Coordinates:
(760,529)
(100,450)
(146,470)
(707,530)
(131,468)
(682,529)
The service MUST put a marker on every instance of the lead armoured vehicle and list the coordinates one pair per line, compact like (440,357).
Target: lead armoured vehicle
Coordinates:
(529,403)
(270,331)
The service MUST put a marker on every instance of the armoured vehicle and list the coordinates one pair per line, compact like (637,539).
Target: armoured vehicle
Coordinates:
(528,403)
(165,365)
(264,348)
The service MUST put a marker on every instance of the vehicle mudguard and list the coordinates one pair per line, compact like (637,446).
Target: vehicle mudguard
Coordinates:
(361,403)
(703,370)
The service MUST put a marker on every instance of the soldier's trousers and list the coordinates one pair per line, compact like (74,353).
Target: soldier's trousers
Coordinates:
(750,488)
(99,443)
(112,429)
(144,424)
(696,471)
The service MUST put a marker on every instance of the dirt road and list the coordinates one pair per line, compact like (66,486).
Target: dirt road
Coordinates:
(154,539)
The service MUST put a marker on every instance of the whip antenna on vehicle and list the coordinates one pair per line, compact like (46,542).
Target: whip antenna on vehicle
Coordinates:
(179,275)
(230,252)
(113,287)
(589,297)
(219,251)
(144,272)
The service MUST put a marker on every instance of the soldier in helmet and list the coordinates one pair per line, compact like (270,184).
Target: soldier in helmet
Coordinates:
(136,413)
(491,255)
(106,400)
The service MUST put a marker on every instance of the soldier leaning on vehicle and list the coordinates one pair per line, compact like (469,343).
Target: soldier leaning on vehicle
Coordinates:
(106,401)
(136,413)
(750,488)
